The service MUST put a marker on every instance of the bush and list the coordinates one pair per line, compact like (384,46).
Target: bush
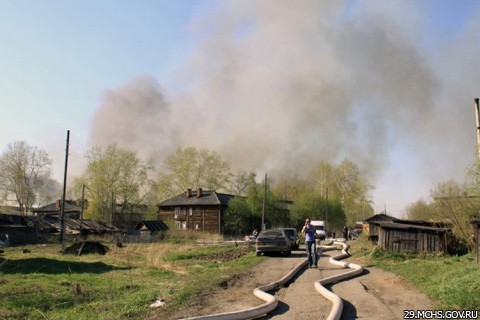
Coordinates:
(457,246)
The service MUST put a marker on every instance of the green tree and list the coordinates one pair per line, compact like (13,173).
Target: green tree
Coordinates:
(346,184)
(192,168)
(453,204)
(239,219)
(24,171)
(114,175)
(290,188)
(316,207)
(239,182)
(420,210)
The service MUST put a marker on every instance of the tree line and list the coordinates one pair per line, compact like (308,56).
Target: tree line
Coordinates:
(116,181)
(455,203)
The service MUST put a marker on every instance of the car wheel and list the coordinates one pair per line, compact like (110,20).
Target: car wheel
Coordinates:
(258,254)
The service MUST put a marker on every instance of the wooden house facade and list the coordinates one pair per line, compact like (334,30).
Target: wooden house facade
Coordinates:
(196,210)
(402,237)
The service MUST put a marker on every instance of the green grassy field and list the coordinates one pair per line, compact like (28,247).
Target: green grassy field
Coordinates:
(45,284)
(452,282)
(122,284)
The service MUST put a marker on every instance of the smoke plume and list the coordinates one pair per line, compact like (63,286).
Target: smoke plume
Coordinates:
(279,85)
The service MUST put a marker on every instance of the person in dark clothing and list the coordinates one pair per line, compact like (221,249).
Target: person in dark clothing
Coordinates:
(345,233)
(310,243)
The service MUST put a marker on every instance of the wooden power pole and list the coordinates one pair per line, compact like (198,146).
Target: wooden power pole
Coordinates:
(62,210)
(477,115)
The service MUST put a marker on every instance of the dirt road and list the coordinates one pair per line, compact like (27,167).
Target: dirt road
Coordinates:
(374,294)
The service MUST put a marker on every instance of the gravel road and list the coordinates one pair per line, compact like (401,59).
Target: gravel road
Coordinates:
(374,294)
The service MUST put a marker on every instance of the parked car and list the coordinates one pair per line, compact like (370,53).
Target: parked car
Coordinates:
(269,241)
(356,233)
(292,234)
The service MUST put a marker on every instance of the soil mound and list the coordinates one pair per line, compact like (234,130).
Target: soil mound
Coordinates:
(85,247)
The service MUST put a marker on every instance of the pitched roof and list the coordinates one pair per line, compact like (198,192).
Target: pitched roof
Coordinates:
(152,225)
(206,198)
(53,207)
(380,217)
(404,226)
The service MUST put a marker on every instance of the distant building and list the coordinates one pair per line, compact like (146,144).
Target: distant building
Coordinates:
(407,235)
(196,210)
(70,211)
(150,227)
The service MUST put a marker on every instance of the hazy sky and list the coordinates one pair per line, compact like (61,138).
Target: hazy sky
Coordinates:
(269,85)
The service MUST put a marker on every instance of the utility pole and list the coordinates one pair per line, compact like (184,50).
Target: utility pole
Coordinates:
(62,211)
(81,212)
(264,200)
(326,208)
(477,114)
(113,208)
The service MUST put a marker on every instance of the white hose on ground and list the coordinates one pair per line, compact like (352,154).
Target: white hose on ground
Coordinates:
(336,311)
(271,301)
(270,304)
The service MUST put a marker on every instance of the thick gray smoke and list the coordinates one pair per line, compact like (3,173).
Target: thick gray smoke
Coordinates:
(277,85)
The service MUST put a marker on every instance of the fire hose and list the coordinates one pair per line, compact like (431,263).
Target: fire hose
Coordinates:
(271,301)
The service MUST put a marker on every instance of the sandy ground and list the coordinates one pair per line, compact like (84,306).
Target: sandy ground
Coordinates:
(374,294)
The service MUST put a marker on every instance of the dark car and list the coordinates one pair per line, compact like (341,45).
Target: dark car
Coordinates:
(269,241)
(292,234)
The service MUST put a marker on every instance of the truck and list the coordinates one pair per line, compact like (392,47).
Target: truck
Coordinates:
(319,228)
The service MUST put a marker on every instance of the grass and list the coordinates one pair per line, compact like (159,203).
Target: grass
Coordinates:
(121,284)
(452,282)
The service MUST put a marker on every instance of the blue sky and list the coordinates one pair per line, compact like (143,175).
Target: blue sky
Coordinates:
(58,59)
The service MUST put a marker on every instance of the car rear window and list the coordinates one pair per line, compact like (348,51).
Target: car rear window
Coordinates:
(290,232)
(270,233)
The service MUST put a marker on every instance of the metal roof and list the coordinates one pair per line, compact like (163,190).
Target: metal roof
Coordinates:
(403,226)
(206,198)
(53,207)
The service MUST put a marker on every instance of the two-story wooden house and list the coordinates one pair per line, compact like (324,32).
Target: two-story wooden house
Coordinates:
(196,210)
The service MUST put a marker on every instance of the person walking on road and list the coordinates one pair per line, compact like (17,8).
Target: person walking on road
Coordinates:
(310,243)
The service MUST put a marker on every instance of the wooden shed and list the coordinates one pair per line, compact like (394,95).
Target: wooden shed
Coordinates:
(149,227)
(196,210)
(476,234)
(371,225)
(403,237)
(18,229)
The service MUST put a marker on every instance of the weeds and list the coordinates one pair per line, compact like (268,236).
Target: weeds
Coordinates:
(121,284)
(450,281)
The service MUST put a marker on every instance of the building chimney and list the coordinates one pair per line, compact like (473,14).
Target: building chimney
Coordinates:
(199,192)
(58,204)
(188,193)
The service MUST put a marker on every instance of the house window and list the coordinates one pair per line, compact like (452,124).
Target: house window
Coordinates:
(178,225)
(184,225)
(177,212)
(197,226)
(190,211)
